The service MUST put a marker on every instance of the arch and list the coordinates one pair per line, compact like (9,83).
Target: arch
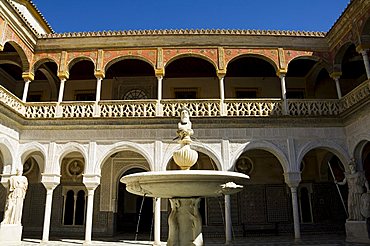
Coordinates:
(365,30)
(123,146)
(358,149)
(264,145)
(75,60)
(67,149)
(27,149)
(304,57)
(331,146)
(258,56)
(38,63)
(340,54)
(127,57)
(203,57)
(198,146)
(21,53)
(7,153)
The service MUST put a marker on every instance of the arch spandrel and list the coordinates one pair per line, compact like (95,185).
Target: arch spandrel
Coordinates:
(291,55)
(210,55)
(331,146)
(143,150)
(113,56)
(127,57)
(263,145)
(269,55)
(39,59)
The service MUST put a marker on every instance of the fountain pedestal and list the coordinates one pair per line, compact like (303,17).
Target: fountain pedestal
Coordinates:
(185,222)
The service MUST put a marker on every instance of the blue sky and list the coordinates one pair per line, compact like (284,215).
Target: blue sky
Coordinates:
(97,15)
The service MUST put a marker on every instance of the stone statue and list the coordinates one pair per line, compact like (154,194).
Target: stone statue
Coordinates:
(17,191)
(356,187)
(184,126)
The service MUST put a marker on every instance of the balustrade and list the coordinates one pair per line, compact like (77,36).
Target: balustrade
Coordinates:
(197,107)
(254,107)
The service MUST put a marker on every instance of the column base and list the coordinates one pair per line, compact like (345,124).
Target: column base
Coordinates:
(10,234)
(357,232)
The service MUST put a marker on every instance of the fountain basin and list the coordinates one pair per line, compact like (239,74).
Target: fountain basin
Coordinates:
(185,183)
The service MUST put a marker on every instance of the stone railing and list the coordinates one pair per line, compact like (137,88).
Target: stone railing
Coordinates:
(356,95)
(11,101)
(40,110)
(313,107)
(130,108)
(255,107)
(197,107)
(76,109)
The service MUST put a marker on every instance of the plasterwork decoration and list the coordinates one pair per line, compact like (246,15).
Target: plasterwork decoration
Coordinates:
(221,58)
(63,62)
(100,61)
(159,58)
(272,54)
(148,55)
(92,55)
(291,54)
(51,56)
(10,35)
(208,54)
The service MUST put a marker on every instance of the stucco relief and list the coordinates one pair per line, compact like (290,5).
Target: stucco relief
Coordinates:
(210,55)
(270,55)
(147,55)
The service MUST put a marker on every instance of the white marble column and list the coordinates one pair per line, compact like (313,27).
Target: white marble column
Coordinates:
(98,88)
(283,93)
(335,76)
(91,182)
(50,181)
(98,94)
(157,221)
(366,62)
(25,90)
(297,227)
(159,94)
(89,215)
(221,78)
(228,222)
(61,90)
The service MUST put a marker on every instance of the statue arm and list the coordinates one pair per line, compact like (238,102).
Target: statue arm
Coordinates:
(343,182)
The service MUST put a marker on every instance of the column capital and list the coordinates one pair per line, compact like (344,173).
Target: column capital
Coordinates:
(292,179)
(63,75)
(335,75)
(361,48)
(221,73)
(281,72)
(99,74)
(28,76)
(50,181)
(159,72)
(91,181)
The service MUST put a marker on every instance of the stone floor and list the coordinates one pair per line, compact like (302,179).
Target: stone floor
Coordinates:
(325,240)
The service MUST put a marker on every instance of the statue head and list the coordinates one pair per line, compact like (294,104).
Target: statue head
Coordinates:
(184,114)
(352,165)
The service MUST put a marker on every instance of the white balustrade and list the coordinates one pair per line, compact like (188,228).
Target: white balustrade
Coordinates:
(313,107)
(197,107)
(11,100)
(253,107)
(40,110)
(77,109)
(128,108)
(356,95)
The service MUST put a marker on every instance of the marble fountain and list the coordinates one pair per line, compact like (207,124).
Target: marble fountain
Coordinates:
(184,188)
